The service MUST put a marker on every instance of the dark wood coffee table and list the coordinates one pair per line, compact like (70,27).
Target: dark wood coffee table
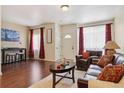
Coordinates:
(67,68)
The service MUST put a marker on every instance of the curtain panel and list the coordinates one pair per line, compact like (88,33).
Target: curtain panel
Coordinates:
(31,49)
(42,51)
(81,40)
(108,36)
(108,33)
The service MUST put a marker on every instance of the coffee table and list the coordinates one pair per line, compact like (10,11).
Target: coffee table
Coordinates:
(64,68)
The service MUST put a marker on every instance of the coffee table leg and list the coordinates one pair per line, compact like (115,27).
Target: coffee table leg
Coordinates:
(54,79)
(73,75)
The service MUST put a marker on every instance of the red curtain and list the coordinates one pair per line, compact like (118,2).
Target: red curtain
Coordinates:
(108,33)
(31,49)
(41,52)
(108,36)
(81,41)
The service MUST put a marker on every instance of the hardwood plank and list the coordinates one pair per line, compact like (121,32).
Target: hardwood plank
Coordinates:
(23,74)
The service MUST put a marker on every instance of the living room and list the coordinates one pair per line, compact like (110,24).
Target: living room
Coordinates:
(47,36)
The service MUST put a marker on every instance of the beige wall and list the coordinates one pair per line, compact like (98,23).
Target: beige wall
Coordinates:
(23,31)
(119,29)
(50,48)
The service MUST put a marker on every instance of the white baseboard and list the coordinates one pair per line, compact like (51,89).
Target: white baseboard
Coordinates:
(49,60)
(43,59)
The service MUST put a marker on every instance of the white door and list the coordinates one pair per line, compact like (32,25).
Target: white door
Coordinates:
(68,44)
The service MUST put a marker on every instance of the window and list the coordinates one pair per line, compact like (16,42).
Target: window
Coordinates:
(94,37)
(36,42)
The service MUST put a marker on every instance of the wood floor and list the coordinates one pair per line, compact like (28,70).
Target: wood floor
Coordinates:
(23,74)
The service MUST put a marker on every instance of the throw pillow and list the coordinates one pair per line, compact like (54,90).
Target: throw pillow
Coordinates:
(104,61)
(112,73)
(85,55)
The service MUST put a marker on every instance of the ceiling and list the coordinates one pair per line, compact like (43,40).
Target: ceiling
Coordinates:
(31,15)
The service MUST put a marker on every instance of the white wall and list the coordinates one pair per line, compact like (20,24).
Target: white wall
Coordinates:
(23,31)
(119,29)
(57,42)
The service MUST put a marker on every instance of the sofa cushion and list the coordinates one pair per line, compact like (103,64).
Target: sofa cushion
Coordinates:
(94,53)
(89,77)
(85,55)
(105,84)
(112,73)
(105,60)
(95,67)
(93,72)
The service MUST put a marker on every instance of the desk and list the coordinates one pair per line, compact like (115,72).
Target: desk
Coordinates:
(13,50)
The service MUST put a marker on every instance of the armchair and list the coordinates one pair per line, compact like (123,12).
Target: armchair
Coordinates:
(83,64)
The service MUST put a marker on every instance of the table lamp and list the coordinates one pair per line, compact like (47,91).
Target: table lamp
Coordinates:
(110,47)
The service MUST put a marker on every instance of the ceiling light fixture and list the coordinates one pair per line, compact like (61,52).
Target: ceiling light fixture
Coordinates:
(65,7)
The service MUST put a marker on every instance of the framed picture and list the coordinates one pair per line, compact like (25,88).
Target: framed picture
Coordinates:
(49,35)
(9,35)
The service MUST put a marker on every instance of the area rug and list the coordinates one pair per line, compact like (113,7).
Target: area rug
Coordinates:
(64,83)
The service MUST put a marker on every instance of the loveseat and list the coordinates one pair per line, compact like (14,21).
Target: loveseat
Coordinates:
(90,79)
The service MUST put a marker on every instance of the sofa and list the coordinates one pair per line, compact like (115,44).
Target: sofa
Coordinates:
(90,78)
(83,64)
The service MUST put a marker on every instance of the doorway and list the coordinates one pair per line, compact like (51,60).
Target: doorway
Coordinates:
(69,42)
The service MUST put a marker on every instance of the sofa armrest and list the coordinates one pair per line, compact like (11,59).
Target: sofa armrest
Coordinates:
(105,84)
(82,83)
(78,57)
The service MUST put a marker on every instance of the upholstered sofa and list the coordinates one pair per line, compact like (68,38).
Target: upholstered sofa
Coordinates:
(83,64)
(90,79)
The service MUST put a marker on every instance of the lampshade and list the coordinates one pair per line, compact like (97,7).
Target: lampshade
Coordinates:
(111,45)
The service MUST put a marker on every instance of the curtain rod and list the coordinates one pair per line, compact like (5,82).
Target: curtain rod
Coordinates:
(36,28)
(93,25)
(97,23)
